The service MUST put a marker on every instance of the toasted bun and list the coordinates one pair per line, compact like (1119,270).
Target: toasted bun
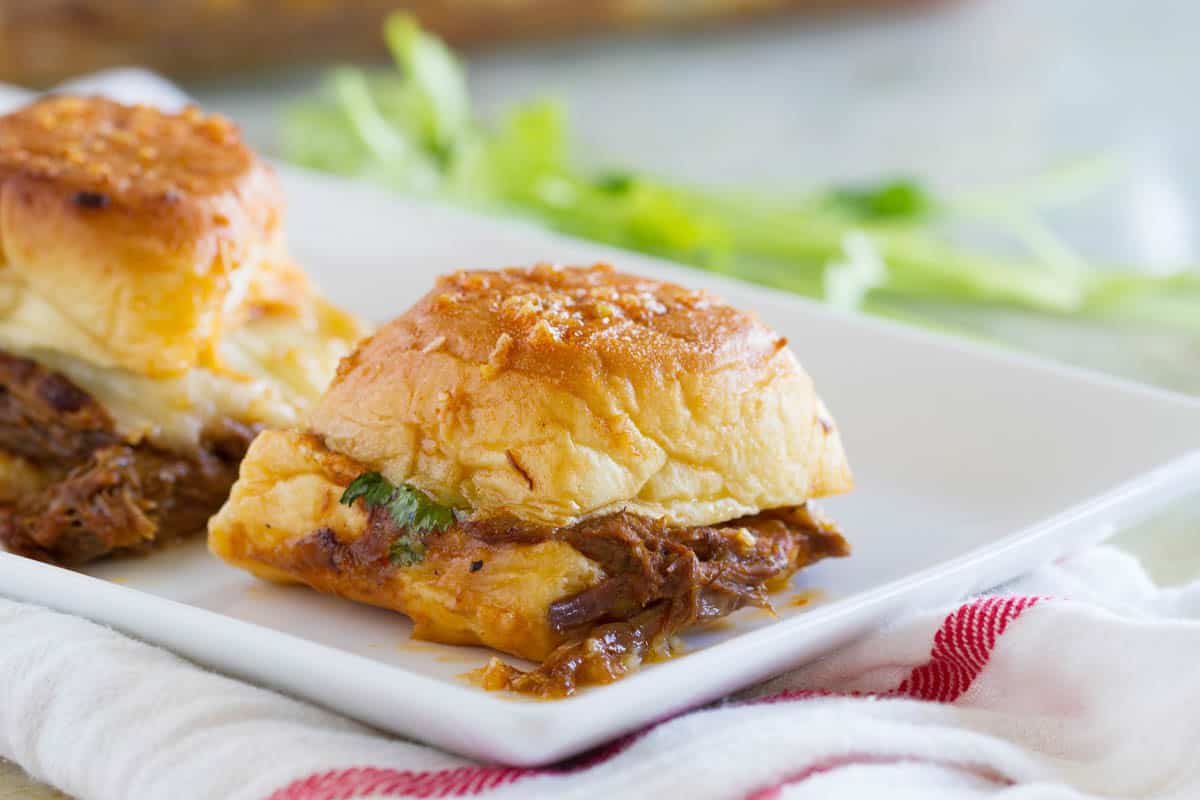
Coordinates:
(552,394)
(145,233)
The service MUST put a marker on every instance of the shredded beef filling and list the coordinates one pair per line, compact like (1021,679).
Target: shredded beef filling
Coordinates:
(660,580)
(102,494)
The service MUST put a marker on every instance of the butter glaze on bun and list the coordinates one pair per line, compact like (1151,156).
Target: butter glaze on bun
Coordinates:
(147,232)
(553,394)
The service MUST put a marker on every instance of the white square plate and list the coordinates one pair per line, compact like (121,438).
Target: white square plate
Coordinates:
(972,466)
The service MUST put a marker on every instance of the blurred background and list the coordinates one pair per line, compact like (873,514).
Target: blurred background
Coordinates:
(49,40)
(1067,122)
(1017,171)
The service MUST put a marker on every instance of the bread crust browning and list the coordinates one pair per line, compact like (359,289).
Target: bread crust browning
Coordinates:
(149,232)
(553,394)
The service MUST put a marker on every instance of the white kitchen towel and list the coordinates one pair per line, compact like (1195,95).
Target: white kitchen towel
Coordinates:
(1078,681)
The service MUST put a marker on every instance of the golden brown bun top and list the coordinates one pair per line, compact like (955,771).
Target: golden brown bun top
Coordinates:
(135,157)
(149,232)
(555,393)
(576,325)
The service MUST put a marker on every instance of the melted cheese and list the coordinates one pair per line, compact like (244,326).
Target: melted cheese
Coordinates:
(272,368)
(28,323)
(289,488)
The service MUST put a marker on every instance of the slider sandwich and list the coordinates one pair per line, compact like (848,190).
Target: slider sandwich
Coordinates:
(569,465)
(151,323)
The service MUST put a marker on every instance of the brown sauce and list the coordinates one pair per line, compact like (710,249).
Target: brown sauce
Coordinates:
(661,581)
(806,598)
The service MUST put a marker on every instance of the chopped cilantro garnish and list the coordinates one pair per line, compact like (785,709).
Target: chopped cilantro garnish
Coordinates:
(373,488)
(409,508)
(406,551)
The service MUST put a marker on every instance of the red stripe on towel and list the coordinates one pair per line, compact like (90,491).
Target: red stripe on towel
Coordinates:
(962,647)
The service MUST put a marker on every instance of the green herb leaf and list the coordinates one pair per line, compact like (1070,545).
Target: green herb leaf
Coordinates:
(371,486)
(409,508)
(406,551)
